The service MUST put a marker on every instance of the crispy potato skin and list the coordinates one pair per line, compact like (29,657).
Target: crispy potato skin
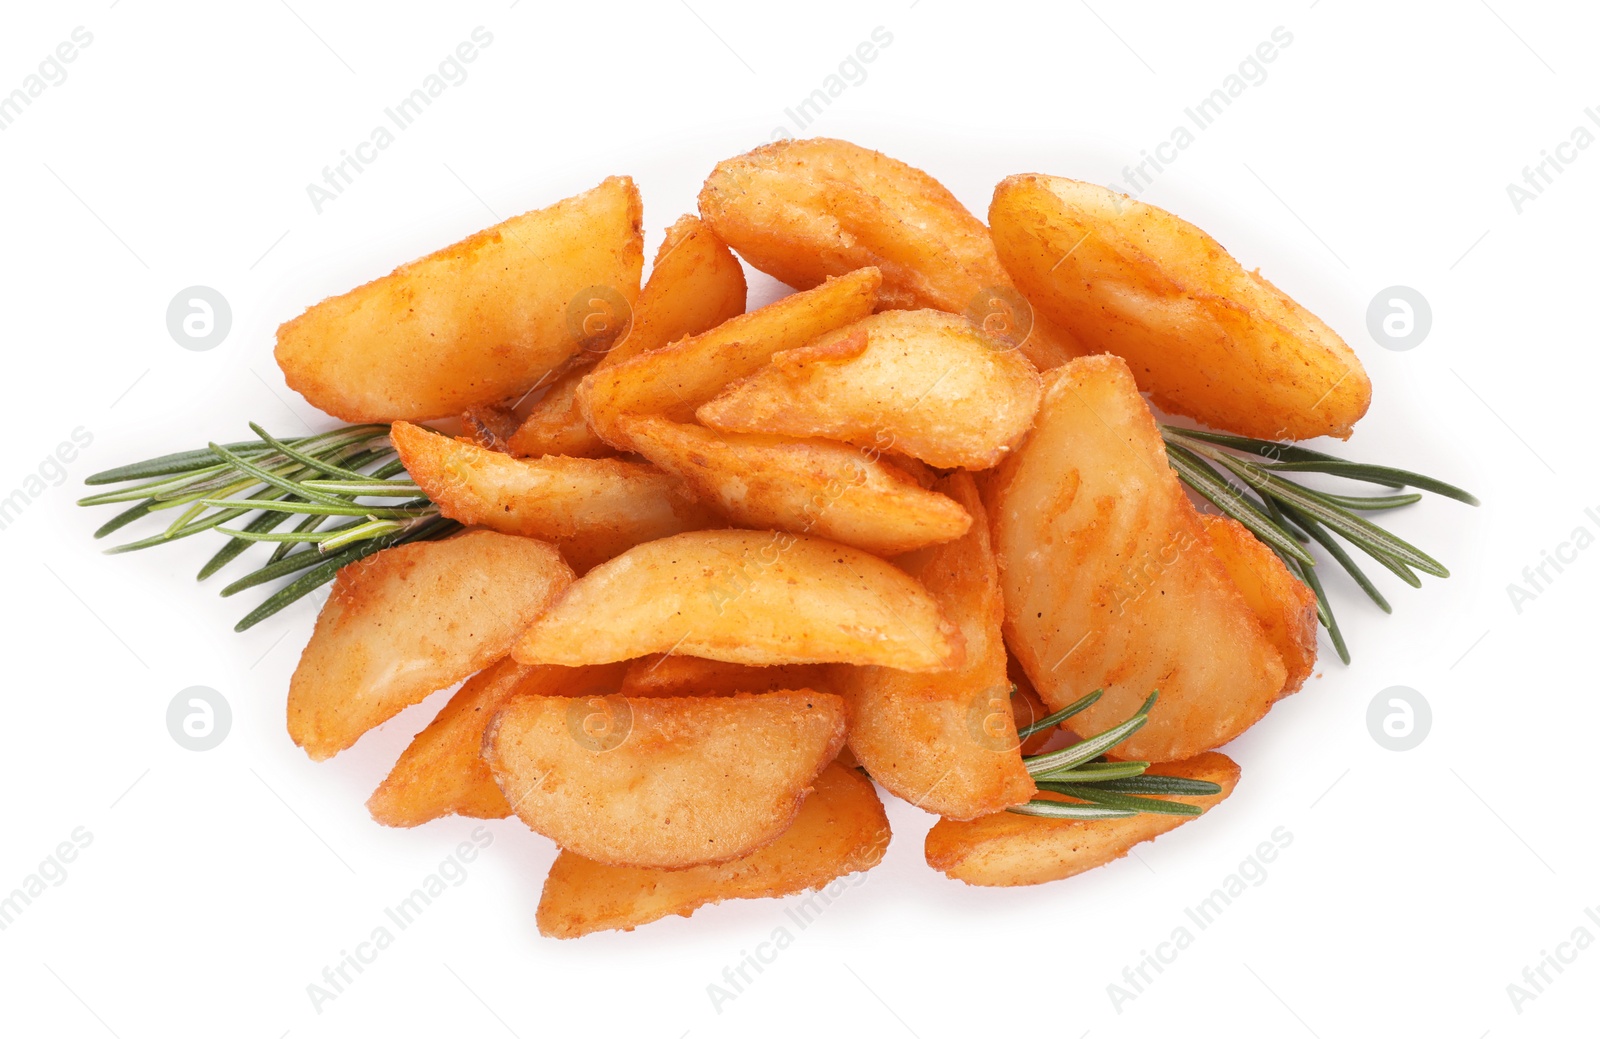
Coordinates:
(1010,850)
(805,210)
(1109,579)
(412,619)
(674,674)
(745,597)
(1203,336)
(1285,606)
(841,829)
(600,506)
(695,284)
(675,380)
(929,384)
(945,742)
(477,323)
(443,772)
(663,782)
(816,487)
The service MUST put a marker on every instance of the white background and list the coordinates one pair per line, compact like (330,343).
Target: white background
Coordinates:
(1376,152)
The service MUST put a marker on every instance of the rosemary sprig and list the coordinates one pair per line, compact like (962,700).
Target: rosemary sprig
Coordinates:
(1285,515)
(352,473)
(348,473)
(1103,789)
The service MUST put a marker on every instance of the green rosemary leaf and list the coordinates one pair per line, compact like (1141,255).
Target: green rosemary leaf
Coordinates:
(361,532)
(1379,504)
(394,468)
(1172,786)
(1085,750)
(306,525)
(167,465)
(365,488)
(1096,772)
(313,461)
(164,538)
(1274,450)
(1052,720)
(1110,799)
(122,519)
(307,508)
(1228,498)
(291,562)
(1325,612)
(234,547)
(1067,810)
(276,480)
(1379,474)
(1336,550)
(154,488)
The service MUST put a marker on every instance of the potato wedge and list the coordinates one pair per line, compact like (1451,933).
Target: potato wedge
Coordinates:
(816,487)
(1010,850)
(1285,606)
(1027,707)
(1204,337)
(945,742)
(412,619)
(805,210)
(917,382)
(674,674)
(841,829)
(695,284)
(676,379)
(745,597)
(1109,579)
(662,782)
(605,505)
(443,772)
(480,322)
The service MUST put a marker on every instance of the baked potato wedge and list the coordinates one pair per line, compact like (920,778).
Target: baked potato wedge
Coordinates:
(745,597)
(1011,850)
(480,322)
(1203,336)
(1109,579)
(816,487)
(673,674)
(662,782)
(412,619)
(841,829)
(604,506)
(675,380)
(695,284)
(946,742)
(443,772)
(806,210)
(916,382)
(1284,604)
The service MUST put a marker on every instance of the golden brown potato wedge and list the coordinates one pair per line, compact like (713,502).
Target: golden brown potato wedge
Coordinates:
(1027,707)
(841,829)
(482,321)
(809,209)
(603,505)
(1010,850)
(674,674)
(916,382)
(662,782)
(1285,606)
(443,772)
(1204,337)
(410,620)
(676,379)
(945,742)
(1109,578)
(816,487)
(695,284)
(746,597)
